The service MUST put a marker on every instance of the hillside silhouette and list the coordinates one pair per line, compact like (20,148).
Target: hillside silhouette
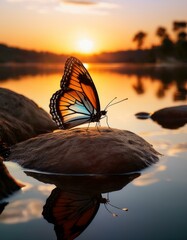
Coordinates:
(10,54)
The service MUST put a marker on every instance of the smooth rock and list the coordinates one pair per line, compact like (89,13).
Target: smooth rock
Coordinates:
(13,130)
(21,118)
(171,117)
(82,151)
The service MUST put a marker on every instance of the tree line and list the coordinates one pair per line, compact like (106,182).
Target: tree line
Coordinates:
(169,48)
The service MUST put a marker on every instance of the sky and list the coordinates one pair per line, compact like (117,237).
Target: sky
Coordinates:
(89,26)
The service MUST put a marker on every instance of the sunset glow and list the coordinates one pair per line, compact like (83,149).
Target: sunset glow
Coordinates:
(85,46)
(55,25)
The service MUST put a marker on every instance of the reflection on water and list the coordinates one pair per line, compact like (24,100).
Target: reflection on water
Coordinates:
(17,72)
(166,76)
(151,177)
(22,211)
(71,206)
(72,211)
(156,199)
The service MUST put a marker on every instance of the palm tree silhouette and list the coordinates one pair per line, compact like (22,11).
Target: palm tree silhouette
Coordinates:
(139,38)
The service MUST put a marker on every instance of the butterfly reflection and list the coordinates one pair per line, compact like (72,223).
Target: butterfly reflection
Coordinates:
(70,213)
(73,204)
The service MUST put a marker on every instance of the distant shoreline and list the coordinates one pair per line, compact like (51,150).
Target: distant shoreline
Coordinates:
(11,56)
(58,65)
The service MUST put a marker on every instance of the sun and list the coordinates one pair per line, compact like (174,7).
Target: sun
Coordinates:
(85,45)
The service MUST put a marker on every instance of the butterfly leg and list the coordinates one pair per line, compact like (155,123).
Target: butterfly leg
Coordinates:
(107,121)
(88,126)
(98,125)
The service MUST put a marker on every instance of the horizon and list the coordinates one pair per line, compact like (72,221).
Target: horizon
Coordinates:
(87,26)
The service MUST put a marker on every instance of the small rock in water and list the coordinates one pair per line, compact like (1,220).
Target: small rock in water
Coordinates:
(142,115)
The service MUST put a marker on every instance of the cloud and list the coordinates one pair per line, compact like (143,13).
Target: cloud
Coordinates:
(79,2)
(86,7)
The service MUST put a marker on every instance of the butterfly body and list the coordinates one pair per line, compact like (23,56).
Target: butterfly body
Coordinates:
(77,101)
(96,117)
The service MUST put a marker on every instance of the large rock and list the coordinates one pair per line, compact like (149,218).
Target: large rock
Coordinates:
(82,151)
(21,118)
(171,117)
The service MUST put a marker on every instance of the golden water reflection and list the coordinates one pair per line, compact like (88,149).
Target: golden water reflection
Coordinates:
(168,84)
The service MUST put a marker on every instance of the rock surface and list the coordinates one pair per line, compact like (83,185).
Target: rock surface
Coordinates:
(21,118)
(82,151)
(171,117)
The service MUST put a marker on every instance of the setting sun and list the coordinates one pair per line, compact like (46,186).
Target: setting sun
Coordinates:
(85,46)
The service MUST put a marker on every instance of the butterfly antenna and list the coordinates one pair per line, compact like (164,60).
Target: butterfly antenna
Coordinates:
(108,202)
(109,104)
(113,214)
(122,209)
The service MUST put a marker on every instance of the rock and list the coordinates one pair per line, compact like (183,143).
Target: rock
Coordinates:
(21,118)
(171,117)
(13,130)
(82,151)
(142,115)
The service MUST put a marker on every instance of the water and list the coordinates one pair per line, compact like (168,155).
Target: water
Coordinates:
(156,200)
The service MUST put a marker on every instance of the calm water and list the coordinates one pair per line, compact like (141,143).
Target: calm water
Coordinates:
(156,200)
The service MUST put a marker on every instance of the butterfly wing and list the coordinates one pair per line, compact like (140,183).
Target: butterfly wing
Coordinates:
(77,101)
(70,213)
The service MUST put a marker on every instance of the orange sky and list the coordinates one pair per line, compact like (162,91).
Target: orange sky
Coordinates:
(61,25)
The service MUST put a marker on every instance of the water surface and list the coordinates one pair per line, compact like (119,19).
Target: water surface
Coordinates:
(156,200)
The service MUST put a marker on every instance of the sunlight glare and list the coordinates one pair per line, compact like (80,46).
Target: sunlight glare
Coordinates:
(85,46)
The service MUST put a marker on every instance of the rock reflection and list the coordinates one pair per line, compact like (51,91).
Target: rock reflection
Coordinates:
(8,185)
(72,206)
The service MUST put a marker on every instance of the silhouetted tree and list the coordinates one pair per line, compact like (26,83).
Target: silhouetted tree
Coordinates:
(161,32)
(181,43)
(182,36)
(166,47)
(178,26)
(139,38)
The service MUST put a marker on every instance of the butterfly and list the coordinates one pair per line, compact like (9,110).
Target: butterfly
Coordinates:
(77,102)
